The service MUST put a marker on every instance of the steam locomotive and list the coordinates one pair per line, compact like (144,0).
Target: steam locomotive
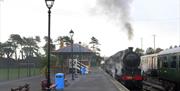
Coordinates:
(124,67)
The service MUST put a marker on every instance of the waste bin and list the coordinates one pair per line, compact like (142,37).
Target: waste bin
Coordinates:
(59,81)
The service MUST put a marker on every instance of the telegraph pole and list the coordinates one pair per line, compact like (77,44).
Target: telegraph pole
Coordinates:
(141,42)
(0,20)
(154,41)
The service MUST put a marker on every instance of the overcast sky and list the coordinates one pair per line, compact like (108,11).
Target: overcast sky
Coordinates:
(147,17)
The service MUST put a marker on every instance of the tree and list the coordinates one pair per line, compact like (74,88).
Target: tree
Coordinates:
(16,40)
(37,39)
(175,46)
(1,50)
(60,41)
(149,50)
(67,40)
(30,47)
(139,51)
(8,49)
(63,40)
(45,57)
(45,47)
(94,42)
(170,47)
(158,50)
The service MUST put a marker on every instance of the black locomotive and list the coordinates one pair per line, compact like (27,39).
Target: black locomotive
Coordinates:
(124,67)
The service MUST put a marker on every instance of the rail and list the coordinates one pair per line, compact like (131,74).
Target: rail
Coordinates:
(149,86)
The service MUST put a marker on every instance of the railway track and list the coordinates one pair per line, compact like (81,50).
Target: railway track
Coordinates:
(154,84)
(150,86)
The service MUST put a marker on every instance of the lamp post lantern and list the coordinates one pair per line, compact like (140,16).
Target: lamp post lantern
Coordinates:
(49,4)
(71,33)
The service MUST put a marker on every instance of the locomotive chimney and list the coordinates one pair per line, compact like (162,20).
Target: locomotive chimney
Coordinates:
(130,49)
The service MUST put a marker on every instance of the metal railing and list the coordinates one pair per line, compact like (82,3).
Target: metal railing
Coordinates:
(10,70)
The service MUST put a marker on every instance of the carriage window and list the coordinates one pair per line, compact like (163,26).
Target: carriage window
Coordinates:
(159,62)
(173,62)
(165,63)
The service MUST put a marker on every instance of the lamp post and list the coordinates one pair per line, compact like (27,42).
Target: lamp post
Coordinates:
(141,43)
(80,56)
(71,35)
(154,41)
(49,4)
(80,51)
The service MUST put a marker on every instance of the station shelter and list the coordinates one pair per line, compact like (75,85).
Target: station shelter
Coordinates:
(78,53)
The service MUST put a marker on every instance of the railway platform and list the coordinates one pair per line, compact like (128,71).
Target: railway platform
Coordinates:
(96,80)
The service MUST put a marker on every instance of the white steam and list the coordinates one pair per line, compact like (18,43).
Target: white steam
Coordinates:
(116,10)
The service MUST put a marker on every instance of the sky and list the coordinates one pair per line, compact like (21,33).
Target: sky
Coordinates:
(102,19)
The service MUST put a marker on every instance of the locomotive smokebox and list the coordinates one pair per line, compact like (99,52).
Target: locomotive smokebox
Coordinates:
(131,59)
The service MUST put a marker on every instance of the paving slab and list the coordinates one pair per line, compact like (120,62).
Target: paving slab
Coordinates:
(94,81)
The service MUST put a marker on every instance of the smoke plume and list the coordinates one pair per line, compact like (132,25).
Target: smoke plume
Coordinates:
(118,11)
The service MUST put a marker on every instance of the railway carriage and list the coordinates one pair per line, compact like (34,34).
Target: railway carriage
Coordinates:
(169,66)
(165,65)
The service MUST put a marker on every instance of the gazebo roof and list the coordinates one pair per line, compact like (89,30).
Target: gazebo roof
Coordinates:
(77,49)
